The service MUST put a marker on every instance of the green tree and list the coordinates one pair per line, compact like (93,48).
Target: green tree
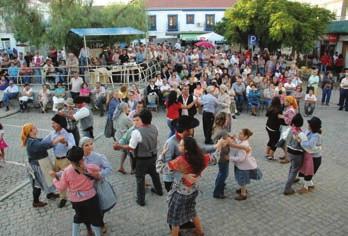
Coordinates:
(276,23)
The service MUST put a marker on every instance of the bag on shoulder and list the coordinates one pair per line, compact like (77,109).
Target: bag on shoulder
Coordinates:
(106,195)
(109,130)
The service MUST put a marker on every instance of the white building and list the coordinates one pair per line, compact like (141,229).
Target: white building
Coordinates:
(184,19)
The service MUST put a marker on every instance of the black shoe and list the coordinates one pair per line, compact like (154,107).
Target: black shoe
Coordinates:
(62,203)
(39,204)
(297,180)
(234,117)
(340,109)
(289,192)
(219,196)
(140,203)
(7,108)
(238,114)
(187,225)
(155,192)
(52,196)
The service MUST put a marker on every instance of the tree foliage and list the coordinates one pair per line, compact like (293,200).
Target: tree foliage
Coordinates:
(28,23)
(276,23)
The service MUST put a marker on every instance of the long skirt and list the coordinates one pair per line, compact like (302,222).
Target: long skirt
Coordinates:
(181,208)
(36,175)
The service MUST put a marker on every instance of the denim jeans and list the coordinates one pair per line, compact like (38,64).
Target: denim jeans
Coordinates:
(221,178)
(295,165)
(239,102)
(326,96)
(7,97)
(171,125)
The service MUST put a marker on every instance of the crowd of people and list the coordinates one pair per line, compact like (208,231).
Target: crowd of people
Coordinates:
(215,83)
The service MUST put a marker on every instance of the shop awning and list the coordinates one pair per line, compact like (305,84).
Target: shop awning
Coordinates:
(338,27)
(121,31)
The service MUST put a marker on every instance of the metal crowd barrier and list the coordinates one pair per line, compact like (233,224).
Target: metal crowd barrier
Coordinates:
(110,75)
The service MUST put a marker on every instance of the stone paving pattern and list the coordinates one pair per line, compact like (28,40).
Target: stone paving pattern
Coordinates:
(265,212)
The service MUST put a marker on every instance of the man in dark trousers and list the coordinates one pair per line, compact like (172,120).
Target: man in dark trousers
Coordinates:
(186,99)
(143,142)
(210,103)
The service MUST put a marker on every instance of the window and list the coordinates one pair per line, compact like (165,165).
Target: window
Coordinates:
(172,22)
(209,22)
(190,19)
(152,23)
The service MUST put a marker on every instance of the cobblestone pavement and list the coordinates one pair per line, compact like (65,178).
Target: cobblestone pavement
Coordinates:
(266,212)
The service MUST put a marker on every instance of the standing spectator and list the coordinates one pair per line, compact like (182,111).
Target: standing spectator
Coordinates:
(38,62)
(71,123)
(327,85)
(13,72)
(344,93)
(310,101)
(210,103)
(324,62)
(72,63)
(254,99)
(298,95)
(224,100)
(76,84)
(49,72)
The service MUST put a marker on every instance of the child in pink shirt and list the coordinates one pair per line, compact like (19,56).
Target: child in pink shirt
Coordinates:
(78,179)
(85,91)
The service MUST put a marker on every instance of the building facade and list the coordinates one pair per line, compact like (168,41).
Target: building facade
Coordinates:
(180,19)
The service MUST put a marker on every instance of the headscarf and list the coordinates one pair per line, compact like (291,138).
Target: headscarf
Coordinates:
(26,129)
(119,110)
(84,140)
(292,101)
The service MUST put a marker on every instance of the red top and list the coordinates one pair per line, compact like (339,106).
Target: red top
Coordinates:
(180,164)
(173,111)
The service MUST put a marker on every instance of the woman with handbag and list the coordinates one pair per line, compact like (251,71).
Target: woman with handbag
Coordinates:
(92,157)
(78,180)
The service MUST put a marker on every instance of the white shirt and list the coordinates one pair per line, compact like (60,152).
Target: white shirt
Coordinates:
(101,92)
(135,139)
(165,87)
(81,113)
(344,83)
(310,98)
(12,89)
(76,84)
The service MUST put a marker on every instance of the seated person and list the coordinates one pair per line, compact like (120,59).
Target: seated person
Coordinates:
(50,71)
(25,97)
(310,101)
(58,97)
(152,92)
(84,90)
(123,93)
(10,92)
(99,97)
(44,97)
(254,99)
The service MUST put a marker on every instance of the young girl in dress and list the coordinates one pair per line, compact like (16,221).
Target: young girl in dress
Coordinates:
(3,144)
(245,167)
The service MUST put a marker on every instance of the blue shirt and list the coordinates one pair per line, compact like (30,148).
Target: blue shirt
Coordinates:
(101,161)
(60,149)
(209,103)
(112,107)
(314,140)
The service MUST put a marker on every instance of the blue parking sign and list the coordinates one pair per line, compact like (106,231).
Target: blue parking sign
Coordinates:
(252,40)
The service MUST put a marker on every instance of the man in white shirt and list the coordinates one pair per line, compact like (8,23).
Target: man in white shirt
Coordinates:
(310,101)
(10,92)
(100,97)
(76,84)
(344,93)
